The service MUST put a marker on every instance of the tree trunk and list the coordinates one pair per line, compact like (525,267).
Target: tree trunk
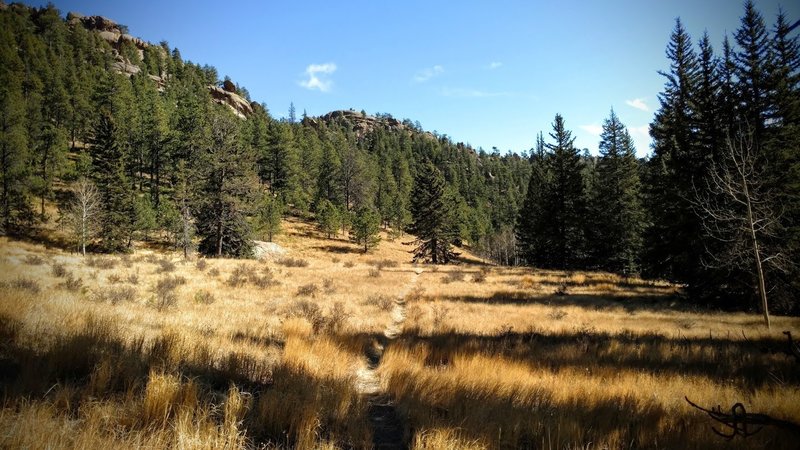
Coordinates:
(762,290)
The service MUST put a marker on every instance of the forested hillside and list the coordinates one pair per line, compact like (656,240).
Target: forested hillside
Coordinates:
(120,140)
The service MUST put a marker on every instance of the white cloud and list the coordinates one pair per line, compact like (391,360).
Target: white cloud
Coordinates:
(316,82)
(495,65)
(471,93)
(638,103)
(641,132)
(428,73)
(592,129)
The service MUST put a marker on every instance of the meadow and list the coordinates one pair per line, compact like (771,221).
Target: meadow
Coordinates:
(327,347)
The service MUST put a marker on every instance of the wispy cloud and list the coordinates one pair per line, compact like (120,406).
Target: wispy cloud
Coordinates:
(637,103)
(592,129)
(317,78)
(494,65)
(428,73)
(471,93)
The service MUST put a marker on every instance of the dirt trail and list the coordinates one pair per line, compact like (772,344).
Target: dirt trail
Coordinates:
(387,429)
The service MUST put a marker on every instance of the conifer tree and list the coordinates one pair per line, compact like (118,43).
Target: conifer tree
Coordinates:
(530,218)
(619,216)
(366,228)
(118,215)
(329,218)
(564,205)
(269,215)
(432,213)
(228,184)
(14,146)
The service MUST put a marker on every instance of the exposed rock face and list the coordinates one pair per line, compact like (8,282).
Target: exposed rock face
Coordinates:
(362,123)
(240,106)
(113,33)
(267,250)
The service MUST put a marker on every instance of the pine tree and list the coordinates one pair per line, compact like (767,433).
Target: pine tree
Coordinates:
(228,184)
(14,146)
(753,61)
(366,228)
(530,218)
(564,203)
(329,218)
(269,214)
(118,205)
(674,241)
(432,214)
(619,216)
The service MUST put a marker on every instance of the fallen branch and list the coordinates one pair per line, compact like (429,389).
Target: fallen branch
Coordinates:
(742,423)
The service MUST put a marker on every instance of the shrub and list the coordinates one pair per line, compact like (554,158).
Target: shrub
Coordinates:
(133,278)
(204,297)
(115,295)
(308,290)
(71,283)
(384,263)
(59,270)
(480,276)
(452,277)
(201,264)
(293,262)
(337,317)
(328,286)
(165,266)
(415,294)
(265,280)
(34,260)
(349,264)
(309,311)
(102,263)
(383,302)
(561,289)
(240,275)
(557,314)
(165,295)
(439,313)
(114,279)
(27,284)
(214,272)
(374,273)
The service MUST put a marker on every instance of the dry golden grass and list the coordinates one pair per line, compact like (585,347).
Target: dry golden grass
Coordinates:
(150,351)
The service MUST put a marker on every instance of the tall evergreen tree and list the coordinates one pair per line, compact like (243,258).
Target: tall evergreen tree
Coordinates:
(432,214)
(531,218)
(366,228)
(228,184)
(564,203)
(619,215)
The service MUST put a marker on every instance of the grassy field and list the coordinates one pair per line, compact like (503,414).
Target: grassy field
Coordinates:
(311,350)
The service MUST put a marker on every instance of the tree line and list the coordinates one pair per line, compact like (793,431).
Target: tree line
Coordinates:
(151,156)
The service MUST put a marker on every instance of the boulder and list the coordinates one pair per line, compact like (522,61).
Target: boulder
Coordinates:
(268,250)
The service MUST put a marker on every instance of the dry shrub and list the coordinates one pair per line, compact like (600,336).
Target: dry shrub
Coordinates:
(132,278)
(214,272)
(165,266)
(439,313)
(309,311)
(71,283)
(383,302)
(26,284)
(101,262)
(201,264)
(114,295)
(415,294)
(453,277)
(557,314)
(374,273)
(239,276)
(33,260)
(204,297)
(337,318)
(308,290)
(114,279)
(164,292)
(293,262)
(384,263)
(335,260)
(59,270)
(349,264)
(481,275)
(561,290)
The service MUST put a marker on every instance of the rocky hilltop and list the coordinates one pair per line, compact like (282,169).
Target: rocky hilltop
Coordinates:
(117,37)
(361,123)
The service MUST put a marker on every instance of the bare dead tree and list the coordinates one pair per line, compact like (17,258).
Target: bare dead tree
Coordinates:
(741,423)
(739,212)
(82,212)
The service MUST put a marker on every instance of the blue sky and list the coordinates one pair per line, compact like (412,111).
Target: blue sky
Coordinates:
(485,73)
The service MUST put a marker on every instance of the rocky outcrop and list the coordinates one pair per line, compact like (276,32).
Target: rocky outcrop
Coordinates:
(360,122)
(240,106)
(115,35)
